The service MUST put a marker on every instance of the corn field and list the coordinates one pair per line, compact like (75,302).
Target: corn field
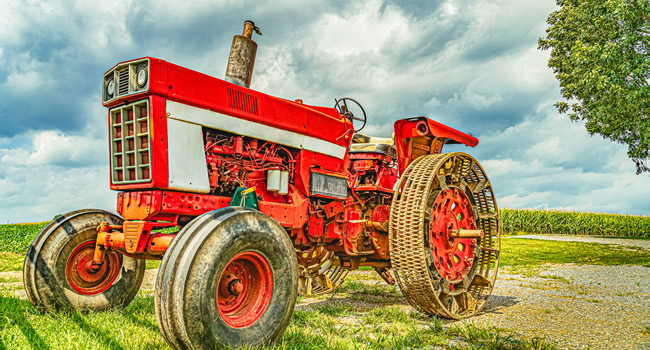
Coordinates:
(573,223)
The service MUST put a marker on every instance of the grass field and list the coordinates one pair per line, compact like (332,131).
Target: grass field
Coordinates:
(360,315)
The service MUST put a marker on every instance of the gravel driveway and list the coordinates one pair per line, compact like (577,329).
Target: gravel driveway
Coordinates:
(638,243)
(575,306)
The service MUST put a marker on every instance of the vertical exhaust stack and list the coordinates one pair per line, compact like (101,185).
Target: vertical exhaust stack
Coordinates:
(242,56)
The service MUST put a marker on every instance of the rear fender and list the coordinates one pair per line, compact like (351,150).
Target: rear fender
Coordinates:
(419,136)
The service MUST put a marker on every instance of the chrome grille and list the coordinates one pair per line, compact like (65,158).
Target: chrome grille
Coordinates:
(123,82)
(130,143)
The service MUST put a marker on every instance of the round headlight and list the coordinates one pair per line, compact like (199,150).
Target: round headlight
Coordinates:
(110,87)
(141,76)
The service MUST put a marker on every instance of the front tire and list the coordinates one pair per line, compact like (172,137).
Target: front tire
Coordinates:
(54,275)
(229,279)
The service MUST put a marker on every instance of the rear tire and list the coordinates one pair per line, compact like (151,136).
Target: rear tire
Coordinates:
(437,273)
(51,274)
(229,279)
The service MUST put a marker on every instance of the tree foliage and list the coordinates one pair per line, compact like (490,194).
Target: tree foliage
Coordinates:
(600,53)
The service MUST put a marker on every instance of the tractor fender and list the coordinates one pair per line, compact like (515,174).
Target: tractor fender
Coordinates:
(419,136)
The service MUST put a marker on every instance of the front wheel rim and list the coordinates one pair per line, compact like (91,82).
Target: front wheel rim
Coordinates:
(244,289)
(86,281)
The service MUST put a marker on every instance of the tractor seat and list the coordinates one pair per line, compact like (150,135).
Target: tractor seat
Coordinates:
(366,144)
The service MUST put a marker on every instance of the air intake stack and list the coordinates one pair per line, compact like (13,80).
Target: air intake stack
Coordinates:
(242,56)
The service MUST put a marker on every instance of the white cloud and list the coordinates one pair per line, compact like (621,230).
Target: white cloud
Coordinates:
(55,148)
(24,81)
(360,29)
(42,191)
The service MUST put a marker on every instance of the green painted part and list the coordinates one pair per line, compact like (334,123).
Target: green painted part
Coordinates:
(250,201)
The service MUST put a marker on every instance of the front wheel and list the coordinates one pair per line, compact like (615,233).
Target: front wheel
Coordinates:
(229,279)
(56,271)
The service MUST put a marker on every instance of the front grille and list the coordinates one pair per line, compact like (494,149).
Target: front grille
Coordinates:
(130,143)
(123,82)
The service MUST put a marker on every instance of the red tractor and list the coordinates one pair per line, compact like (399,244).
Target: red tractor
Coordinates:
(273,198)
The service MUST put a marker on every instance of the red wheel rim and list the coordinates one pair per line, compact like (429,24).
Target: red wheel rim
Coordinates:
(86,281)
(245,289)
(453,257)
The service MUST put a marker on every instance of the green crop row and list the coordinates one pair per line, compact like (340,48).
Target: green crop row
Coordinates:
(574,223)
(17,238)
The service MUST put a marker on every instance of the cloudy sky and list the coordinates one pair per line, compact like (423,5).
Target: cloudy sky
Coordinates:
(471,64)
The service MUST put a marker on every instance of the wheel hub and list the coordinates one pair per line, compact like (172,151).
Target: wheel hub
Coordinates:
(85,278)
(245,289)
(453,257)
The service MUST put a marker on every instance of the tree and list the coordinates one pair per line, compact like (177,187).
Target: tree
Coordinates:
(600,54)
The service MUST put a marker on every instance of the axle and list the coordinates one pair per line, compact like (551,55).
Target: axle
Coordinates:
(114,237)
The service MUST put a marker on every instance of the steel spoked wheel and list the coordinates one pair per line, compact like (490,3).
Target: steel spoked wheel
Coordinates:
(320,272)
(444,235)
(229,279)
(57,272)
(453,256)
(245,289)
(85,280)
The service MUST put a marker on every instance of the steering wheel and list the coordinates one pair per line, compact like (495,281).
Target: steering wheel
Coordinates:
(342,106)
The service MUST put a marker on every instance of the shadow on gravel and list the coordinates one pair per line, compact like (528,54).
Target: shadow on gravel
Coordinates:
(498,302)
(357,302)
(13,312)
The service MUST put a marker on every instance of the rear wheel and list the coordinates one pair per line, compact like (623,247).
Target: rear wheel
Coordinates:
(229,279)
(440,261)
(56,271)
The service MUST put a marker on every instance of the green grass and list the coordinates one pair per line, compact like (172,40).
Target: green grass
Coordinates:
(329,326)
(24,327)
(530,252)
